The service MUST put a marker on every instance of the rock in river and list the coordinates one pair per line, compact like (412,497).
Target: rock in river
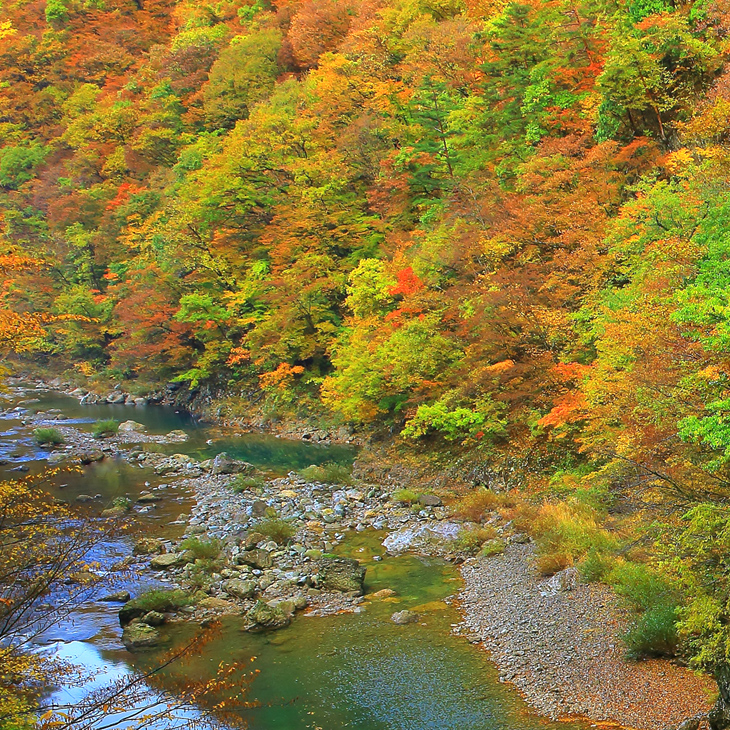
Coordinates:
(404,617)
(224,464)
(138,635)
(341,574)
(263,617)
(168,560)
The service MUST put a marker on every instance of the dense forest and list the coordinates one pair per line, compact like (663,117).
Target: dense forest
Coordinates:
(492,227)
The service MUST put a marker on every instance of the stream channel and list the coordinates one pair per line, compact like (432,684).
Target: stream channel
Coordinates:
(344,671)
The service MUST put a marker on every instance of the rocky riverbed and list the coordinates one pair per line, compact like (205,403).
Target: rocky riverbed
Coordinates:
(275,543)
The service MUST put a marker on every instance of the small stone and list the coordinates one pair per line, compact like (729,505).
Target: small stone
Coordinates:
(148,546)
(87,457)
(149,498)
(384,593)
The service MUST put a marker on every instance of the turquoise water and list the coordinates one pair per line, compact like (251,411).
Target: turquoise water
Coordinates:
(344,671)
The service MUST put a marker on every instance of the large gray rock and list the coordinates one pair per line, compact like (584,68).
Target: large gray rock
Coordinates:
(565,580)
(238,588)
(148,546)
(138,635)
(224,464)
(263,617)
(340,574)
(430,500)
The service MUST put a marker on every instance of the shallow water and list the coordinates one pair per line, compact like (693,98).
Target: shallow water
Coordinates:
(345,671)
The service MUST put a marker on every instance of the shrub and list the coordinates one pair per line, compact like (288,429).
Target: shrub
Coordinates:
(122,502)
(201,549)
(473,506)
(329,473)
(243,483)
(595,566)
(405,496)
(105,428)
(653,634)
(280,531)
(161,600)
(641,586)
(566,533)
(47,436)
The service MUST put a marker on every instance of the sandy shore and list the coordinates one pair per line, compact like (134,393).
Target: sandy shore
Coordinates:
(564,651)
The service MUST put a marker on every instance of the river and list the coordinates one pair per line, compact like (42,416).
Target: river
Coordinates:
(344,671)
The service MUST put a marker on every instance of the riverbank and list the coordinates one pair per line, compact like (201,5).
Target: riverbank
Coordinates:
(563,648)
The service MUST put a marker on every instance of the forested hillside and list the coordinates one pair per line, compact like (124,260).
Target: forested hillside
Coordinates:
(498,226)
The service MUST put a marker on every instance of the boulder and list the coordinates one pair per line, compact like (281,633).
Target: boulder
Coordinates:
(224,464)
(118,597)
(116,398)
(132,427)
(114,512)
(238,588)
(178,435)
(404,617)
(255,558)
(263,617)
(148,546)
(430,500)
(168,560)
(340,574)
(138,635)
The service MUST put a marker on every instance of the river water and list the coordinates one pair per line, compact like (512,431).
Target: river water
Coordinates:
(345,671)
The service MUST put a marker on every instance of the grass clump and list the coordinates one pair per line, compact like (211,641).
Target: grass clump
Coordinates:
(243,483)
(473,506)
(276,529)
(47,437)
(491,548)
(470,540)
(102,429)
(202,549)
(405,496)
(161,600)
(329,473)
(595,566)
